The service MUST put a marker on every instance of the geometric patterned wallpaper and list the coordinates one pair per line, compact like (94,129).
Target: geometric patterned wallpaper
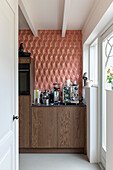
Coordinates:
(56,58)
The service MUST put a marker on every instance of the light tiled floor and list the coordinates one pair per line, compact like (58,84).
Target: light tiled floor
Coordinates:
(55,162)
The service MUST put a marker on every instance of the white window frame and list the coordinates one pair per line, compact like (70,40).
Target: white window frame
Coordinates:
(93,47)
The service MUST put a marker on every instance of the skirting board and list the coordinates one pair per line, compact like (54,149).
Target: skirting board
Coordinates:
(35,150)
(101,166)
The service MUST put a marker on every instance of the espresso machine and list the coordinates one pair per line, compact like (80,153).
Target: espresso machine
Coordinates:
(71,94)
(74,94)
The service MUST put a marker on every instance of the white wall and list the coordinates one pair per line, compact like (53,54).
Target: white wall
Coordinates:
(87,97)
(98,11)
(85,59)
(92,123)
(109,130)
(99,20)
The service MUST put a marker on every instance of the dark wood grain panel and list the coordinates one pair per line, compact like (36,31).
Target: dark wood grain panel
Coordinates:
(24,60)
(24,126)
(71,127)
(44,127)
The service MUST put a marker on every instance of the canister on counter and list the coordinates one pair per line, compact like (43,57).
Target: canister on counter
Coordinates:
(37,96)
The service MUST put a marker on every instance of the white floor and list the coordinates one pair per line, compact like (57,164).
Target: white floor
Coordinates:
(55,162)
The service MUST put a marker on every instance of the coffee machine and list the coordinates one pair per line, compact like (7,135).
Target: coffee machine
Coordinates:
(71,94)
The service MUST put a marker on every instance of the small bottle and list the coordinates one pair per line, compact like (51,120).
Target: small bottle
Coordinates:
(75,83)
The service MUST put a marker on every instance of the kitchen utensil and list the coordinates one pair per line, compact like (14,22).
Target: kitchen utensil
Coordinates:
(45,97)
(45,101)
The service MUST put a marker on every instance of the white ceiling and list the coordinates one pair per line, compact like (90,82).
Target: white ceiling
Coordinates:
(79,10)
(48,14)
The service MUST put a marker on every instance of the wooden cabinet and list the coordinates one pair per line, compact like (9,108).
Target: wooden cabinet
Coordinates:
(71,127)
(25,101)
(24,125)
(61,128)
(52,129)
(24,60)
(44,127)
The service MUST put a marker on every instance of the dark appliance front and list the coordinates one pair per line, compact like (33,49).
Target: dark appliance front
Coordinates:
(24,79)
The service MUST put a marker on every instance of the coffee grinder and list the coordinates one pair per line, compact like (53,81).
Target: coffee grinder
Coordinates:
(56,98)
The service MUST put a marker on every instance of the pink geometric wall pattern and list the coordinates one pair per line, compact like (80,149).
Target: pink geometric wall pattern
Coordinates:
(56,58)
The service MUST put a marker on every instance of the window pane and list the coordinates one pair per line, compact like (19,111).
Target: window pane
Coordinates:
(107,55)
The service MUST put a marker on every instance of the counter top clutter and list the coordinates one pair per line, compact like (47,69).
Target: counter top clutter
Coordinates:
(59,105)
(68,95)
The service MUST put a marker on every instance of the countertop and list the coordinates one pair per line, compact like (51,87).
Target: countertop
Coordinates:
(60,105)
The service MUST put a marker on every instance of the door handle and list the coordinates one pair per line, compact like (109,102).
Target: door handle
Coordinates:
(15,117)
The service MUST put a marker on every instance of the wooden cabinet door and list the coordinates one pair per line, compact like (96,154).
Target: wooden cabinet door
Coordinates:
(71,127)
(44,127)
(24,125)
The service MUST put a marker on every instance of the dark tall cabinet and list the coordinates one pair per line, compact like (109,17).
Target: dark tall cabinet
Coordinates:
(25,102)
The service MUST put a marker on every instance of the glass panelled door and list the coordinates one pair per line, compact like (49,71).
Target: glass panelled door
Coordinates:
(106,83)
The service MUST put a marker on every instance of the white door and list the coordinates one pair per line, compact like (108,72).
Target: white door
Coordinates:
(107,62)
(8,88)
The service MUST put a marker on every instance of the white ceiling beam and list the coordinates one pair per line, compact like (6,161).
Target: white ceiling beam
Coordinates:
(27,16)
(65,17)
